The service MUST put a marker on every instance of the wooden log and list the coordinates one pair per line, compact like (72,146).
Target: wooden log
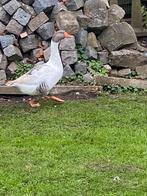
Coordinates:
(4,90)
(113,2)
(136,16)
(103,80)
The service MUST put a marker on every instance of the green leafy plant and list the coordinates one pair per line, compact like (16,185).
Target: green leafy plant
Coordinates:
(77,78)
(94,66)
(81,53)
(116,89)
(67,79)
(22,68)
(144,14)
(133,74)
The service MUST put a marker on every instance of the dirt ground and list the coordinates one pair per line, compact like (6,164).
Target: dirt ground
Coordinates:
(67,96)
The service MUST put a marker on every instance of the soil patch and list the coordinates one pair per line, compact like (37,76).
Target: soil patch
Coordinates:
(73,95)
(109,167)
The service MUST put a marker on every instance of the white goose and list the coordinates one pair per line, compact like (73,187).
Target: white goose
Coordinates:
(42,78)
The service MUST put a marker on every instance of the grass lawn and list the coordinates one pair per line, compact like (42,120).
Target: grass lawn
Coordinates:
(87,148)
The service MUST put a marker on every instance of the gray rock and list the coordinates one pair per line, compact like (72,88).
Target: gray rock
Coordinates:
(13,53)
(2,77)
(83,20)
(126,58)
(108,68)
(103,56)
(44,5)
(60,7)
(68,72)
(22,17)
(4,17)
(117,36)
(69,57)
(67,44)
(116,13)
(88,78)
(67,21)
(81,68)
(26,60)
(2,28)
(124,72)
(3,62)
(45,44)
(3,2)
(46,31)
(37,54)
(6,40)
(29,43)
(28,9)
(1,55)
(77,12)
(74,4)
(91,52)
(14,27)
(102,80)
(11,68)
(98,13)
(81,37)
(28,30)
(93,42)
(114,72)
(11,6)
(47,54)
(28,2)
(38,21)
(142,70)
(56,9)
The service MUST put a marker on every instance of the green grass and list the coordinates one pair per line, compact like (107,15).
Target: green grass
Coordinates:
(87,148)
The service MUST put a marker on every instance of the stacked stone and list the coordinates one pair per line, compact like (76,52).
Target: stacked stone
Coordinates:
(27,26)
(25,32)
(105,37)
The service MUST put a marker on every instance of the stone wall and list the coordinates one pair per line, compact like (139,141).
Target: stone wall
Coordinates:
(27,26)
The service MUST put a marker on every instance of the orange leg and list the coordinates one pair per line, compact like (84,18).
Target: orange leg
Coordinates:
(33,103)
(54,98)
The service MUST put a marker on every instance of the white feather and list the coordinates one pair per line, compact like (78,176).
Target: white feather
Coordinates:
(49,73)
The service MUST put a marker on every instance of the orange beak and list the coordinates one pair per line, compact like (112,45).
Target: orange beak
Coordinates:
(64,1)
(67,35)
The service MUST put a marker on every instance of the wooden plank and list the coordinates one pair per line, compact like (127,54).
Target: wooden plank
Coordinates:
(113,2)
(136,20)
(103,80)
(4,90)
(66,89)
(140,32)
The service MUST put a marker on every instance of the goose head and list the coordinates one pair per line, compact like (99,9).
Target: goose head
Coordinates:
(59,35)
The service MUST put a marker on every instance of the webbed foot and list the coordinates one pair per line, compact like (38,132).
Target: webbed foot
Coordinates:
(33,103)
(54,98)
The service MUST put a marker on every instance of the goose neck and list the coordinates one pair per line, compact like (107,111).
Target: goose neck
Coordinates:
(55,55)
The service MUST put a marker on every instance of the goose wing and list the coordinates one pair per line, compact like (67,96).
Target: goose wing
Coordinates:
(33,76)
